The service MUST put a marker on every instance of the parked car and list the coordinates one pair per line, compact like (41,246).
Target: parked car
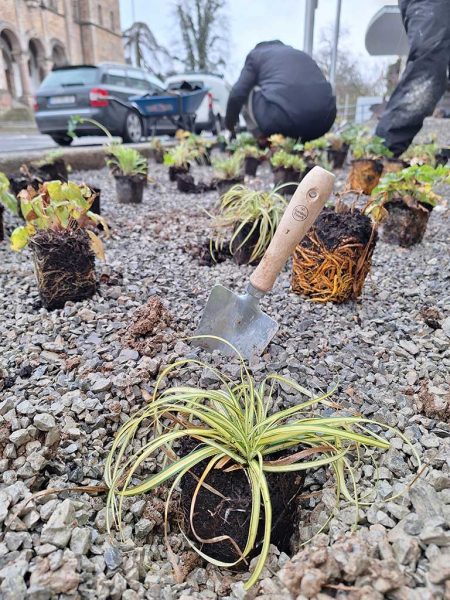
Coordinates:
(211,113)
(92,91)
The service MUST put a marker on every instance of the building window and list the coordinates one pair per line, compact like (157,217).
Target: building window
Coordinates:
(100,16)
(111,20)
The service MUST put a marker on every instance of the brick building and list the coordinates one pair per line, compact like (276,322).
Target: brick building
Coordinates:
(36,35)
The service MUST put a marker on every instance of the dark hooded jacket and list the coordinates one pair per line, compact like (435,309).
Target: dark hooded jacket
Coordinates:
(292,97)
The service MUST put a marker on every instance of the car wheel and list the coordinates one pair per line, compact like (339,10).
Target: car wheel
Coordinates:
(133,129)
(62,140)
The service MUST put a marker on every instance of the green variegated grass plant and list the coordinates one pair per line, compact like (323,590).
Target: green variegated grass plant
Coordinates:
(241,207)
(126,161)
(181,155)
(233,429)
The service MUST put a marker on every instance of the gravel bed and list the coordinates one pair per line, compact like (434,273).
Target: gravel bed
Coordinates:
(68,380)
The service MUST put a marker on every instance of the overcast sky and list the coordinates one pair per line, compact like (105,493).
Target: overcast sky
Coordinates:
(252,21)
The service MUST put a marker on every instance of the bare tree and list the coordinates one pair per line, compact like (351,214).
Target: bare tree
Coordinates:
(143,50)
(353,79)
(203,27)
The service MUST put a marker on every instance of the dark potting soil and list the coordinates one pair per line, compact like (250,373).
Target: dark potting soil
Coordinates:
(206,254)
(53,170)
(64,265)
(251,165)
(175,171)
(229,515)
(21,182)
(332,228)
(405,226)
(242,249)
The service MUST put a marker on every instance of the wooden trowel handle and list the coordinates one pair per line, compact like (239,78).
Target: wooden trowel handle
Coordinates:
(303,209)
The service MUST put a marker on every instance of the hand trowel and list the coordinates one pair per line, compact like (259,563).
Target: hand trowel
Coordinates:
(237,318)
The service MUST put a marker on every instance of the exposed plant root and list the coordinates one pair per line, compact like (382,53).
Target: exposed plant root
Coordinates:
(333,275)
(64,267)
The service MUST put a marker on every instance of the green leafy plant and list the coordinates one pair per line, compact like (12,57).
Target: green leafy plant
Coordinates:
(413,185)
(156,144)
(421,154)
(369,147)
(7,199)
(283,159)
(334,141)
(180,156)
(242,140)
(126,161)
(252,152)
(351,134)
(57,207)
(242,209)
(233,429)
(228,168)
(278,141)
(78,120)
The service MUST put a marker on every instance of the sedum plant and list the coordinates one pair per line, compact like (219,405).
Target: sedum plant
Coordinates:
(421,154)
(7,199)
(413,185)
(369,147)
(282,159)
(228,168)
(243,208)
(280,142)
(126,161)
(250,151)
(242,140)
(234,429)
(57,207)
(180,156)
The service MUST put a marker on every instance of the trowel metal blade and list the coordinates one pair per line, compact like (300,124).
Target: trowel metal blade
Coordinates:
(238,320)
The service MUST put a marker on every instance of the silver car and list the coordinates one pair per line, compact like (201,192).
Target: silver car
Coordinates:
(98,92)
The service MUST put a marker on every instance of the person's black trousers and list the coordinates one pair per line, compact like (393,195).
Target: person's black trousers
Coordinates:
(427,24)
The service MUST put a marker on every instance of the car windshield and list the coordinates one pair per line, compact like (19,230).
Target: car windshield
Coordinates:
(70,77)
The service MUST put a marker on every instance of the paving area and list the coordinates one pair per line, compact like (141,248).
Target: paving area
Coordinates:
(68,381)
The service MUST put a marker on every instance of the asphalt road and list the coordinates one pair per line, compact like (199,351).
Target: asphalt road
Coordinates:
(20,142)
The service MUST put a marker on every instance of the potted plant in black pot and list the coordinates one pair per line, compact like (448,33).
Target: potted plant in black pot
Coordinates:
(129,169)
(403,202)
(232,455)
(228,172)
(178,159)
(7,201)
(367,164)
(337,149)
(253,217)
(52,166)
(277,142)
(423,154)
(63,247)
(157,150)
(333,260)
(202,149)
(288,171)
(253,157)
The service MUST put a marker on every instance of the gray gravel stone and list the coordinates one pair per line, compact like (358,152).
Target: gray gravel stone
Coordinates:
(58,529)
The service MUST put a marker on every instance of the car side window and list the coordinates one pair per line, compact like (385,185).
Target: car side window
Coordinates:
(115,77)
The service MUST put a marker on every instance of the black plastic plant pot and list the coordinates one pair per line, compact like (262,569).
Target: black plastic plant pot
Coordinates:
(442,157)
(20,182)
(282,176)
(405,225)
(223,185)
(242,248)
(96,206)
(337,157)
(251,165)
(129,190)
(64,266)
(174,171)
(54,170)
(157,155)
(186,184)
(223,507)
